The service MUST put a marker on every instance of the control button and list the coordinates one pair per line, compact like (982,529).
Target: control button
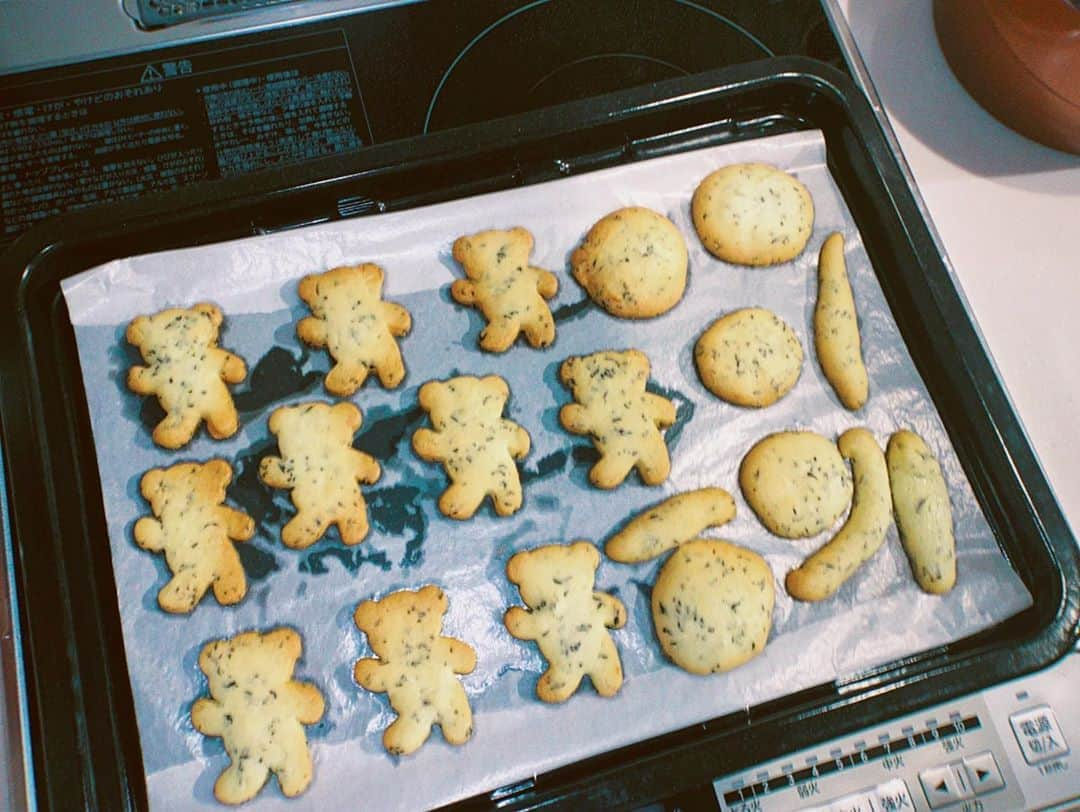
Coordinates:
(893,796)
(944,785)
(861,802)
(1038,734)
(983,773)
(963,784)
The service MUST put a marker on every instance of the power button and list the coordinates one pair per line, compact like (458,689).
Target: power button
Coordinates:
(1038,734)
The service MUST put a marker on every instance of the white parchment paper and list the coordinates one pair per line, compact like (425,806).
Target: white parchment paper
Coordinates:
(878,616)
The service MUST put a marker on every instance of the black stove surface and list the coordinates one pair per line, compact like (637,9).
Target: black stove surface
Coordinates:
(80,135)
(542,53)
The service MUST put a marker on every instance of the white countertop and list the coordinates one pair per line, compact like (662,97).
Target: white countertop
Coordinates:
(1008,212)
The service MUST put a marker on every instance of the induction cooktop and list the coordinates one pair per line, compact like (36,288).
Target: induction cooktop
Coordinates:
(123,111)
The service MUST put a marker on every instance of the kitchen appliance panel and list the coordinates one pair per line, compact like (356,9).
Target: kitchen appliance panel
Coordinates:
(163,114)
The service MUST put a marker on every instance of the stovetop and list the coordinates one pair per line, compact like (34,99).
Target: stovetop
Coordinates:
(409,68)
(210,99)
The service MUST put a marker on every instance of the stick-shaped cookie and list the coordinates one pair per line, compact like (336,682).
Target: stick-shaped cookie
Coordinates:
(475,443)
(712,606)
(502,285)
(623,420)
(674,521)
(359,329)
(416,667)
(864,531)
(195,531)
(322,469)
(923,513)
(259,711)
(568,619)
(836,327)
(187,371)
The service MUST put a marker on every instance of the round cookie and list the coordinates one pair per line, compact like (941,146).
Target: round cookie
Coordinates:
(632,263)
(750,357)
(753,214)
(796,482)
(712,606)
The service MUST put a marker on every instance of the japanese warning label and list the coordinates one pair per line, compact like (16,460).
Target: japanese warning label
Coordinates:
(164,123)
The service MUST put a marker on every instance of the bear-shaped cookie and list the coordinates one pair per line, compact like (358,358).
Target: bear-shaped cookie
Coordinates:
(187,371)
(322,469)
(568,619)
(508,291)
(623,420)
(475,444)
(416,667)
(195,531)
(350,319)
(259,711)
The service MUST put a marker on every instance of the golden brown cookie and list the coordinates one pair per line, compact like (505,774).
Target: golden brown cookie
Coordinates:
(750,357)
(923,513)
(796,482)
(753,214)
(632,263)
(623,420)
(712,606)
(674,521)
(475,443)
(321,468)
(864,531)
(187,371)
(195,531)
(350,319)
(568,619)
(259,711)
(502,285)
(416,667)
(836,327)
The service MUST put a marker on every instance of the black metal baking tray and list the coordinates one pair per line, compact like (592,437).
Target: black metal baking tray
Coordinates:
(85,739)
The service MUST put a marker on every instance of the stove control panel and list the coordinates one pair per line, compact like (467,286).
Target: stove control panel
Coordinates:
(1006,749)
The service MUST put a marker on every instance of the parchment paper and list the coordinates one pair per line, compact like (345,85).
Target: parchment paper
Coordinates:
(876,617)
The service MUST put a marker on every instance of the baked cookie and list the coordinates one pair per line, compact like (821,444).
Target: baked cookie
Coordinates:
(475,444)
(750,357)
(623,420)
(259,711)
(753,214)
(195,531)
(796,482)
(864,531)
(632,263)
(923,514)
(359,329)
(321,468)
(502,285)
(187,371)
(674,521)
(836,327)
(712,606)
(568,620)
(416,667)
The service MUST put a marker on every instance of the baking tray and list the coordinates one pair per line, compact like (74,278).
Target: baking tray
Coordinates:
(85,742)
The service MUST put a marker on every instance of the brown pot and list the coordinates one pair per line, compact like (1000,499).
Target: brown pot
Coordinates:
(1020,59)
